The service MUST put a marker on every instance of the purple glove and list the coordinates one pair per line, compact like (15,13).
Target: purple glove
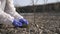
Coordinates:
(17,23)
(24,21)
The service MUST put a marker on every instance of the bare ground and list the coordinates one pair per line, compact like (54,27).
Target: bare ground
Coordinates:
(44,23)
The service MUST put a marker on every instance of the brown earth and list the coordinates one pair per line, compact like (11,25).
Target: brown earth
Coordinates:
(44,23)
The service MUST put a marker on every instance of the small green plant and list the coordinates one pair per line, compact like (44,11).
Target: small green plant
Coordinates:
(24,26)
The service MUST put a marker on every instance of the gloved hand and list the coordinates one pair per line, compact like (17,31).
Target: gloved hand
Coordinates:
(23,21)
(16,23)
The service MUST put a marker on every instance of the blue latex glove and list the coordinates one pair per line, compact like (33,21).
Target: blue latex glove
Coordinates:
(17,23)
(23,21)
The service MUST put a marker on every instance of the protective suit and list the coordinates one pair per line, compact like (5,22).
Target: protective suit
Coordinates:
(8,14)
(10,9)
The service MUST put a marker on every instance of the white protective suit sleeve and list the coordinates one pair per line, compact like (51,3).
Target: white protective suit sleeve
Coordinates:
(10,9)
(4,17)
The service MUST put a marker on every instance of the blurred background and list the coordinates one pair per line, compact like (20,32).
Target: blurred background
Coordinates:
(28,6)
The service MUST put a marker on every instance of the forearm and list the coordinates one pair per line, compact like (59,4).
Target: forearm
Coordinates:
(5,18)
